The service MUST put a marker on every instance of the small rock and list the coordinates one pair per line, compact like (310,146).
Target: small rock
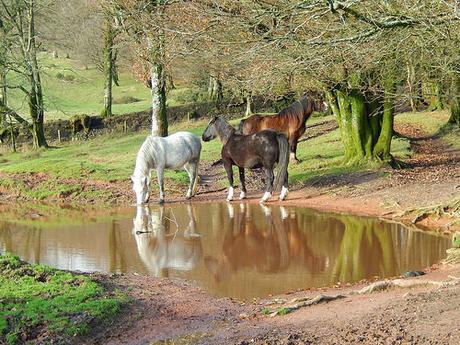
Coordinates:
(410,274)
(243,316)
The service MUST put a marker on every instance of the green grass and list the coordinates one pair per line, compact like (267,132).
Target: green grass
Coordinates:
(38,298)
(428,121)
(433,123)
(70,88)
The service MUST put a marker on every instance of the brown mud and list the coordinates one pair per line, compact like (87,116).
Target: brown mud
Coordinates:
(175,312)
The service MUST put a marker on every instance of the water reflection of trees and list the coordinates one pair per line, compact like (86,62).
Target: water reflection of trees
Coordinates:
(374,248)
(162,245)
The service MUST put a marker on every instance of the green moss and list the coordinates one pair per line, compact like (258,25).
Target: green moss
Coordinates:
(39,298)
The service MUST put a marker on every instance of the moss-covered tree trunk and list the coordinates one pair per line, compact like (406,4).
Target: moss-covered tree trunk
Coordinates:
(433,95)
(365,124)
(108,68)
(454,118)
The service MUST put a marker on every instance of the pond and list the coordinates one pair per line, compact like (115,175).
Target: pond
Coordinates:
(238,250)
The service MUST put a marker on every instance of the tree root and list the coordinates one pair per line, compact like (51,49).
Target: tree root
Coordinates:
(298,303)
(450,210)
(403,283)
(453,256)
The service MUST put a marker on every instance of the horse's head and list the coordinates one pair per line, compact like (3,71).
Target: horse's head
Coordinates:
(211,131)
(141,186)
(315,101)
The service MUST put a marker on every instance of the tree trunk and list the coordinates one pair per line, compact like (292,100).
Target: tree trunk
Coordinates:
(36,105)
(211,87)
(248,99)
(37,128)
(217,91)
(432,94)
(455,102)
(3,121)
(159,116)
(366,126)
(3,91)
(158,81)
(108,69)
(383,145)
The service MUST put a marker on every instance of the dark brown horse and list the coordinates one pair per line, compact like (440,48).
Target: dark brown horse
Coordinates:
(290,121)
(260,150)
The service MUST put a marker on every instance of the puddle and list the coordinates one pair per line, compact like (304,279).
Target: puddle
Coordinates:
(237,250)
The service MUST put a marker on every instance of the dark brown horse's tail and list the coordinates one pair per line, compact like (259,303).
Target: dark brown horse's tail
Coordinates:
(283,162)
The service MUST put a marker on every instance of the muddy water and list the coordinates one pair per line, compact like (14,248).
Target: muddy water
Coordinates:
(236,250)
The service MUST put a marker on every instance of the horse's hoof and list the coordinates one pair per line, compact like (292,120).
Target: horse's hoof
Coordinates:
(284,193)
(242,195)
(161,201)
(228,200)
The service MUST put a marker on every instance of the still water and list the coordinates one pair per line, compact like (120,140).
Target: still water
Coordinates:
(237,250)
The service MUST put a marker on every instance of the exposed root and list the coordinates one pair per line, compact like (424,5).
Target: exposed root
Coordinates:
(406,284)
(298,303)
(453,256)
(450,210)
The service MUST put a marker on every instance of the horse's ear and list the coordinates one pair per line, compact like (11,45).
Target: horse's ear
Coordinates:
(132,178)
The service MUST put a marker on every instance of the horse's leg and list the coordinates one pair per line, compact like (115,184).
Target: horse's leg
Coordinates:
(284,189)
(243,184)
(268,184)
(293,138)
(229,170)
(191,171)
(160,176)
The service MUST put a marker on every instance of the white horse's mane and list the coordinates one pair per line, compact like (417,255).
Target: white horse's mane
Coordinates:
(145,159)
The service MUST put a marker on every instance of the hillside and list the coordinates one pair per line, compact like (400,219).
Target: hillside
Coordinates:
(71,88)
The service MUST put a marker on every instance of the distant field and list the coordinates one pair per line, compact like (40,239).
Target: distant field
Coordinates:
(71,88)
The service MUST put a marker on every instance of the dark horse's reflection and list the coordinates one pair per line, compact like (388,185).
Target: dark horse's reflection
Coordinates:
(268,244)
(161,245)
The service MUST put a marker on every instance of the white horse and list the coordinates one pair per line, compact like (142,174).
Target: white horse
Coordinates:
(179,150)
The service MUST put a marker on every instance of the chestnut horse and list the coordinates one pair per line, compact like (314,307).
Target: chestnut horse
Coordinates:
(290,121)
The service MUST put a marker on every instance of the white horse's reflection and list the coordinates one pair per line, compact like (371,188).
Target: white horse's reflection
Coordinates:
(162,250)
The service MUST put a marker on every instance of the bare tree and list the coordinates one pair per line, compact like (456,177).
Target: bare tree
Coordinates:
(21,40)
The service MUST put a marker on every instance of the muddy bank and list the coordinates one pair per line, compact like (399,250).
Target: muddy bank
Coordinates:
(382,196)
(173,310)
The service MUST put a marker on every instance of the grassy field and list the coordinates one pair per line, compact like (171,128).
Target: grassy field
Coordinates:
(37,299)
(111,158)
(71,88)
